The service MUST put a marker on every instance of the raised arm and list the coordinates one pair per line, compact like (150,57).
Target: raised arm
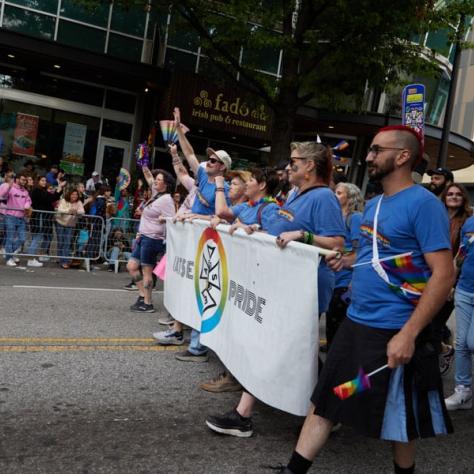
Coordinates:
(148,176)
(184,143)
(178,167)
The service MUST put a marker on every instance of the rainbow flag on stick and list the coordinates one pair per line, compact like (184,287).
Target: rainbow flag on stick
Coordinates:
(357,385)
(412,278)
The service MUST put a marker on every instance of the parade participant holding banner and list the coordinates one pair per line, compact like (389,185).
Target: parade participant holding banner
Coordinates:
(403,275)
(204,203)
(150,240)
(256,212)
(312,215)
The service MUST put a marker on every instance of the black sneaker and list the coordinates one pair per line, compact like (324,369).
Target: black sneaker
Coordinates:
(187,356)
(232,424)
(131,287)
(143,308)
(137,303)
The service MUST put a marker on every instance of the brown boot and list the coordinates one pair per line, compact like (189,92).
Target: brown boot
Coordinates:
(224,382)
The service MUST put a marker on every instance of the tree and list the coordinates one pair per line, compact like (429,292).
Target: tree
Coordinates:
(333,51)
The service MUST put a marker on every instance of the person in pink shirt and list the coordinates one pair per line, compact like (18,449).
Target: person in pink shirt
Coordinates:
(18,203)
(151,238)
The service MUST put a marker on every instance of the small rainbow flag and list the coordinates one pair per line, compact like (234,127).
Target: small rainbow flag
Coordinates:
(413,278)
(357,385)
(143,155)
(169,132)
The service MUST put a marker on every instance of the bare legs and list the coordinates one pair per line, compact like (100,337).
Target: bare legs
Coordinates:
(145,282)
(246,404)
(404,454)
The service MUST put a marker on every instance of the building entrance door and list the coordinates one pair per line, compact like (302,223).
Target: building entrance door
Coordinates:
(112,155)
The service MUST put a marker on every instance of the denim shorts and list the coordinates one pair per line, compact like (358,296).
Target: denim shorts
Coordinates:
(146,250)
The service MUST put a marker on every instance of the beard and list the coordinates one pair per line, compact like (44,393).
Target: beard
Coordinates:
(437,189)
(380,171)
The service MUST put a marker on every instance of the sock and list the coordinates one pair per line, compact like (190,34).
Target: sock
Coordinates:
(403,470)
(298,464)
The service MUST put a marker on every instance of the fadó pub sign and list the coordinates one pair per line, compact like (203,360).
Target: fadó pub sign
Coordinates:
(223,108)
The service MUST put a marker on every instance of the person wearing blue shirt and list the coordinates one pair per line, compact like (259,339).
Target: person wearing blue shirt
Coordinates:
(217,164)
(52,175)
(351,201)
(402,275)
(256,212)
(313,214)
(461,399)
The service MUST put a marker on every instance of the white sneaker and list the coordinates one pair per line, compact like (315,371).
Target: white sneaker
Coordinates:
(11,263)
(461,399)
(43,259)
(34,263)
(15,259)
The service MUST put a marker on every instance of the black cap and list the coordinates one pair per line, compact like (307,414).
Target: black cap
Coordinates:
(443,172)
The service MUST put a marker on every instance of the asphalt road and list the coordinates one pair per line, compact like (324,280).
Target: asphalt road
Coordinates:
(83,389)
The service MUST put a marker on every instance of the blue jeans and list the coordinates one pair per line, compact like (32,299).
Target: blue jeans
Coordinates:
(115,253)
(42,234)
(16,234)
(195,347)
(64,242)
(464,304)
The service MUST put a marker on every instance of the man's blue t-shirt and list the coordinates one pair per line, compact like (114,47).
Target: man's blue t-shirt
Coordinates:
(51,178)
(344,277)
(317,211)
(413,220)
(205,201)
(466,280)
(249,215)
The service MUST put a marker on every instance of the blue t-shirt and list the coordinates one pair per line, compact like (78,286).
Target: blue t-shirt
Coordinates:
(344,277)
(413,220)
(466,280)
(51,179)
(317,211)
(248,214)
(205,201)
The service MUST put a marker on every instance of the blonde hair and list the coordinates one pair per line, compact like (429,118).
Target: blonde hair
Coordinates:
(244,176)
(320,154)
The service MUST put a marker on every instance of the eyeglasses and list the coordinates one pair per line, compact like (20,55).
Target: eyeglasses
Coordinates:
(213,161)
(376,149)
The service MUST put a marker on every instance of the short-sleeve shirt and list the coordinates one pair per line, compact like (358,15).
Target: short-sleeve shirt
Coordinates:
(466,279)
(412,220)
(205,200)
(317,211)
(260,213)
(344,277)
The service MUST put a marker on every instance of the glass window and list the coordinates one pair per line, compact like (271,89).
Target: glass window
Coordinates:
(125,48)
(180,61)
(50,6)
(209,69)
(129,20)
(182,36)
(263,59)
(97,15)
(117,130)
(158,18)
(29,23)
(438,40)
(80,36)
(119,101)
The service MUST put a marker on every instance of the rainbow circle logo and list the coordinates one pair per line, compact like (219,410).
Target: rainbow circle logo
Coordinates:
(211,279)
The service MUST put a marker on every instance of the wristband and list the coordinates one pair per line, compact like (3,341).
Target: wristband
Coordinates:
(308,238)
(220,189)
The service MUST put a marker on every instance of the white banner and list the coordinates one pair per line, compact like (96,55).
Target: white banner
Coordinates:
(255,304)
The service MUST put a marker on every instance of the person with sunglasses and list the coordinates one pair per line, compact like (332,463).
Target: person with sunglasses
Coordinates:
(217,164)
(402,275)
(311,214)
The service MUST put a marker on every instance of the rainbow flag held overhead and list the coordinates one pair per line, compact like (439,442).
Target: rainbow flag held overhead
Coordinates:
(411,279)
(357,385)
(169,132)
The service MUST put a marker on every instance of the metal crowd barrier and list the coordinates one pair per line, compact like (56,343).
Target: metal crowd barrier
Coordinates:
(50,235)
(118,240)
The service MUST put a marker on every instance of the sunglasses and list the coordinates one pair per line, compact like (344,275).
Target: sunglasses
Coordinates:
(213,161)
